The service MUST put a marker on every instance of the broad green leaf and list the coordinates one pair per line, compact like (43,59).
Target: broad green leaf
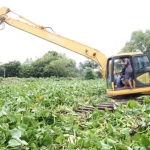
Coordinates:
(15,133)
(147,100)
(3,111)
(59,139)
(22,127)
(47,141)
(105,146)
(143,148)
(120,146)
(22,141)
(33,146)
(94,148)
(147,107)
(110,127)
(137,148)
(132,104)
(86,143)
(13,118)
(26,120)
(21,110)
(129,148)
(76,127)
(137,137)
(13,143)
(110,141)
(145,141)
(125,131)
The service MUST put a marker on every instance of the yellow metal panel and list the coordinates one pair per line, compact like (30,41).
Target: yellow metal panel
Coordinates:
(129,54)
(4,10)
(144,78)
(128,91)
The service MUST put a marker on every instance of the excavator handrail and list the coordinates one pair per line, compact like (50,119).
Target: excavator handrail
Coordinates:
(41,32)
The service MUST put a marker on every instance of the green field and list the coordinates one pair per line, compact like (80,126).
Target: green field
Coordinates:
(39,114)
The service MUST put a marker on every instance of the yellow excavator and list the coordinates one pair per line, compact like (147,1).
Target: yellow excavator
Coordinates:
(108,66)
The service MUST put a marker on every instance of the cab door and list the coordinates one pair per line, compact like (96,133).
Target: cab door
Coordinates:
(141,70)
(109,77)
(110,73)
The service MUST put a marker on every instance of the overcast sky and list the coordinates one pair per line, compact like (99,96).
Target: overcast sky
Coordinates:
(105,25)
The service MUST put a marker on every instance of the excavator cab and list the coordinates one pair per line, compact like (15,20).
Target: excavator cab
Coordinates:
(140,79)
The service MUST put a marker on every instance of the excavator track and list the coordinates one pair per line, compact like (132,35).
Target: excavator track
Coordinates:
(110,106)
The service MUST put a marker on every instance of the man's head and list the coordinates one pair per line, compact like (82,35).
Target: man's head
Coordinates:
(123,59)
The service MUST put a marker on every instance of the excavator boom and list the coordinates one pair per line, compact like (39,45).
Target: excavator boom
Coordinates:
(41,32)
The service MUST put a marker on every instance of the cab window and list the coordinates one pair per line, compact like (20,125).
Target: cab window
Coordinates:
(147,62)
(141,63)
(138,63)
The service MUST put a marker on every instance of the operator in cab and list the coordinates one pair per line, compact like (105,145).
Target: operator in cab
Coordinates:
(128,72)
(119,77)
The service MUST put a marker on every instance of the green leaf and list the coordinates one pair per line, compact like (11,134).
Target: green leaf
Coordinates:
(137,136)
(22,127)
(59,139)
(110,141)
(120,146)
(3,111)
(13,118)
(132,104)
(47,141)
(110,127)
(125,131)
(145,141)
(129,148)
(33,146)
(146,100)
(76,127)
(94,148)
(105,146)
(86,143)
(22,141)
(26,120)
(14,143)
(15,133)
(142,148)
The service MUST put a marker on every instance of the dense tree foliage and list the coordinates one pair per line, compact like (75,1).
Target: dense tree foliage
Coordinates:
(139,41)
(89,73)
(10,69)
(51,64)
(89,64)
(25,71)
(2,71)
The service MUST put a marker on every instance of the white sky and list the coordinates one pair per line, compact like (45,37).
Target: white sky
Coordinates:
(105,25)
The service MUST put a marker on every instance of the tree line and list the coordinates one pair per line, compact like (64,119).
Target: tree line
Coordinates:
(50,64)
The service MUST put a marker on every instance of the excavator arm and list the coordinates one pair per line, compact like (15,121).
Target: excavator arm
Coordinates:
(43,33)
